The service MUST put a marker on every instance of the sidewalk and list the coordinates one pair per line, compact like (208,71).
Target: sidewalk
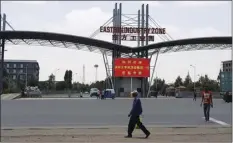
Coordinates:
(10,96)
(100,135)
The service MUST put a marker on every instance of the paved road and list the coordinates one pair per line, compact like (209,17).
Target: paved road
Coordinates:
(76,112)
(73,95)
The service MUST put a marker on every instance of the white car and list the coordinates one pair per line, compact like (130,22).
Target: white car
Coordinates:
(94,92)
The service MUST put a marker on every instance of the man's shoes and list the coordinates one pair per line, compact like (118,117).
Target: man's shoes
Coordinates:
(128,136)
(147,135)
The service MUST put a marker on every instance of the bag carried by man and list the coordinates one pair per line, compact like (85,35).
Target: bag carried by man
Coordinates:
(136,127)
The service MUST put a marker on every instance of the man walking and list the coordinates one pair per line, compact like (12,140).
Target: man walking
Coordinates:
(208,102)
(194,95)
(134,115)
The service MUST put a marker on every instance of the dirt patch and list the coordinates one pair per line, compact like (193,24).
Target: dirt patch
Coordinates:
(216,134)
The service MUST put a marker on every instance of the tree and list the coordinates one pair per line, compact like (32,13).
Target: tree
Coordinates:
(5,73)
(219,75)
(84,87)
(158,84)
(61,85)
(43,85)
(70,73)
(68,78)
(51,81)
(98,84)
(33,81)
(187,80)
(205,82)
(178,82)
(5,84)
(5,79)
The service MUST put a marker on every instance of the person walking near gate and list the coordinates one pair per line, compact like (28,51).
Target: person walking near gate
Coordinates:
(194,95)
(134,115)
(208,102)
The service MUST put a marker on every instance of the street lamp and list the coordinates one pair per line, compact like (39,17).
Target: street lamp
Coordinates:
(76,74)
(55,71)
(96,67)
(194,68)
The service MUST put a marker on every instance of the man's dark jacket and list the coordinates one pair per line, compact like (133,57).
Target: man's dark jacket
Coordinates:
(137,108)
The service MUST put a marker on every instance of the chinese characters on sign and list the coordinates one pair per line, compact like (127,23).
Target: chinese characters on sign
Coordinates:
(125,37)
(131,67)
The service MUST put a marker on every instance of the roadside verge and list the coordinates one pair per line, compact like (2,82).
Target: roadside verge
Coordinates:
(158,134)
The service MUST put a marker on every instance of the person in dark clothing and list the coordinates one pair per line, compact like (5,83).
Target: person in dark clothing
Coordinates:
(208,102)
(194,95)
(134,115)
(22,92)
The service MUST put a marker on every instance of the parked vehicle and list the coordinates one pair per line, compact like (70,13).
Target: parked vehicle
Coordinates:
(154,93)
(227,97)
(32,92)
(178,93)
(94,92)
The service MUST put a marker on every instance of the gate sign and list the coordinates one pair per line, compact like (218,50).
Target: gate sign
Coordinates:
(110,29)
(131,67)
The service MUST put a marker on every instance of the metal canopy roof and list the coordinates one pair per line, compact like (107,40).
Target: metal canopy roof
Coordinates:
(94,45)
(60,40)
(190,41)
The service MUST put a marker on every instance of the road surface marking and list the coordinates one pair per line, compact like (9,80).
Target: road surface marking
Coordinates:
(217,121)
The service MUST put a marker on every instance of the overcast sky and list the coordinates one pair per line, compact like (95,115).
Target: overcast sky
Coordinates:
(181,20)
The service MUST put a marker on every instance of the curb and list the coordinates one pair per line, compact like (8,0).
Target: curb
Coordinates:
(113,126)
(66,98)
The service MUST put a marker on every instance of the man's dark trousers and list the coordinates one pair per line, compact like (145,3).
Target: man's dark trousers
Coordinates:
(132,122)
(206,108)
(194,97)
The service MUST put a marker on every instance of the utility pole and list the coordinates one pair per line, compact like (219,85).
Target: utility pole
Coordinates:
(26,76)
(83,74)
(96,67)
(3,28)
(156,83)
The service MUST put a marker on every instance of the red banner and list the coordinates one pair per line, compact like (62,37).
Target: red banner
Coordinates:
(131,67)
